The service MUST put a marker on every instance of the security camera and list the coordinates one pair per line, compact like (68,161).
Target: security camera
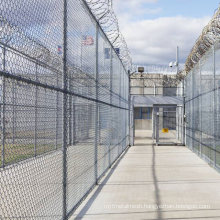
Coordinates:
(171,64)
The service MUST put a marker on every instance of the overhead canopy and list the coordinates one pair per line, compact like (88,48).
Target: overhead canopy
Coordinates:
(149,101)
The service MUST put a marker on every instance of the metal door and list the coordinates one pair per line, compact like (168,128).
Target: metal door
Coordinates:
(168,124)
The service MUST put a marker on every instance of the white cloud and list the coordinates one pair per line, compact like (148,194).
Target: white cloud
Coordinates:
(154,41)
(134,9)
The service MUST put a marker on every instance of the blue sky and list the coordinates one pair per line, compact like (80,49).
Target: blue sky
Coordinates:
(189,8)
(153,28)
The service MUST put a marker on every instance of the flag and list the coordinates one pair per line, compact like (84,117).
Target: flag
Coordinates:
(87,40)
(107,53)
(59,50)
(117,50)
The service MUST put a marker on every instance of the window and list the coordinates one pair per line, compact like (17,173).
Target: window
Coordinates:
(143,113)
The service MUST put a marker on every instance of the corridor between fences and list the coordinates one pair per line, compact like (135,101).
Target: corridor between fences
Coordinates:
(64,107)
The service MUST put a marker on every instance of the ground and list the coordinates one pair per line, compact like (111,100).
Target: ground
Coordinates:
(155,182)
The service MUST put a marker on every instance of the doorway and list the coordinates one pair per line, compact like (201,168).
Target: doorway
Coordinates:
(168,124)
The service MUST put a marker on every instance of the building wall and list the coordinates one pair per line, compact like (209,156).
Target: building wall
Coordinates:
(150,85)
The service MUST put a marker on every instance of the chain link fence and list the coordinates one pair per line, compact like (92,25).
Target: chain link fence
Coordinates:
(64,107)
(202,86)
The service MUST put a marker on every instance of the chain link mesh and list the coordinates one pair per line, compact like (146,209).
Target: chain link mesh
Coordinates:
(64,107)
(202,107)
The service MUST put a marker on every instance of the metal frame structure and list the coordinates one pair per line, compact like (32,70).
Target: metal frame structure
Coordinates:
(159,123)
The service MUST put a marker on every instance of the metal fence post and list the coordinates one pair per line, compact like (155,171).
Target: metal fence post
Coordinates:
(35,114)
(119,110)
(153,124)
(111,87)
(177,124)
(133,120)
(157,114)
(129,109)
(214,110)
(65,99)
(217,110)
(126,111)
(70,111)
(3,109)
(192,111)
(184,114)
(96,104)
(57,113)
(200,108)
(74,121)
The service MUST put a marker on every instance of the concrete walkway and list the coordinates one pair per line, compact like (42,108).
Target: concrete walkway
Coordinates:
(155,182)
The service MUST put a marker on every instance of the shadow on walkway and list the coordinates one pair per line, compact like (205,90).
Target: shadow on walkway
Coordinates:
(104,182)
(155,182)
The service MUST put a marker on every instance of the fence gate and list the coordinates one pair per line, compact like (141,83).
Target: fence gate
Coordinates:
(168,126)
